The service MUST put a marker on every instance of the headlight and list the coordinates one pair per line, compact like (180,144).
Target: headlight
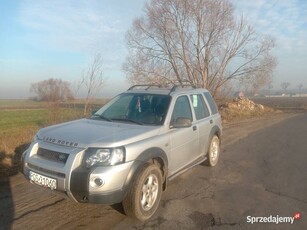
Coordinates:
(94,156)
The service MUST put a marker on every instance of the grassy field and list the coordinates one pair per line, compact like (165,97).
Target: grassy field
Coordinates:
(283,103)
(21,104)
(17,127)
(21,119)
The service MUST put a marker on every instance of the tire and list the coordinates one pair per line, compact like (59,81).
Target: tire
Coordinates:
(143,197)
(214,151)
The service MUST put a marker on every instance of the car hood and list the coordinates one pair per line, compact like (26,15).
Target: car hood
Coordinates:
(86,133)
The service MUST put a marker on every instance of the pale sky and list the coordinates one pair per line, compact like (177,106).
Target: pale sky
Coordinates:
(56,39)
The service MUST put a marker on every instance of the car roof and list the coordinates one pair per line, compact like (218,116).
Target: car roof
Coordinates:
(156,89)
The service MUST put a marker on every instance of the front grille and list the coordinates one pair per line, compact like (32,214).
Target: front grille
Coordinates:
(39,169)
(52,155)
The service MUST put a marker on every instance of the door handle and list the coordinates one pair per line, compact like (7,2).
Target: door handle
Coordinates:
(194,128)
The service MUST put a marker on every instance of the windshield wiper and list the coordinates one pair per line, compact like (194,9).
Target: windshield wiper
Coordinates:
(129,120)
(102,117)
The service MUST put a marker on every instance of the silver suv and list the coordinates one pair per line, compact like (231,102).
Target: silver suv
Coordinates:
(129,149)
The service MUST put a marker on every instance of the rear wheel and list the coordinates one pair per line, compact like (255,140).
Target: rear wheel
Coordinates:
(214,151)
(143,197)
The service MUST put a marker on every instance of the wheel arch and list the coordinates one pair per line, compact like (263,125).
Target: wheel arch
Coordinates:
(215,131)
(152,155)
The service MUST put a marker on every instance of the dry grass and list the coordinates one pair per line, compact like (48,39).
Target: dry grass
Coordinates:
(238,115)
(18,127)
(242,109)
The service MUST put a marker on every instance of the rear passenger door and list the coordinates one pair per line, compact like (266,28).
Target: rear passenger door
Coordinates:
(203,122)
(184,141)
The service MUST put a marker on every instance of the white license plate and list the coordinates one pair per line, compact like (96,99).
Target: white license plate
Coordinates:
(43,180)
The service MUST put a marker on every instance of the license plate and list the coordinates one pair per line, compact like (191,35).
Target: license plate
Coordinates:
(43,180)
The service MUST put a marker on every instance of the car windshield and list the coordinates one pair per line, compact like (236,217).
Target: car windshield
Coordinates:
(147,109)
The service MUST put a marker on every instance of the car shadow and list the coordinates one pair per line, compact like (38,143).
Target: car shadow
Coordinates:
(119,208)
(9,166)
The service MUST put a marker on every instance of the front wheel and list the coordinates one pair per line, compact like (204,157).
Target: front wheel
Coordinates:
(143,197)
(214,151)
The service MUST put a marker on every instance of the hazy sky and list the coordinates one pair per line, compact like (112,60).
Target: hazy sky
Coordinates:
(56,39)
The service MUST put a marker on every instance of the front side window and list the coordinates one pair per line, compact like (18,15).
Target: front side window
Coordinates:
(182,109)
(148,109)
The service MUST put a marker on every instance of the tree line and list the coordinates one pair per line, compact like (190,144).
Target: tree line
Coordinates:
(55,91)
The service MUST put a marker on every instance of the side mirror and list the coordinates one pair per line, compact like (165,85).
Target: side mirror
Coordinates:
(94,111)
(182,122)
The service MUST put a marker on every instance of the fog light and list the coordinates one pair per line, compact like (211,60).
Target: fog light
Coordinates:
(97,182)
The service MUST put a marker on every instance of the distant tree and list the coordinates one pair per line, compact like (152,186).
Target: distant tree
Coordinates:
(201,42)
(284,86)
(270,87)
(93,80)
(52,90)
(254,83)
(300,86)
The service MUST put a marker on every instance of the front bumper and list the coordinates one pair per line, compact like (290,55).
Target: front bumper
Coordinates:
(112,189)
(78,182)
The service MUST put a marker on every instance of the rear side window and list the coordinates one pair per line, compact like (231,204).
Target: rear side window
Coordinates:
(200,107)
(211,103)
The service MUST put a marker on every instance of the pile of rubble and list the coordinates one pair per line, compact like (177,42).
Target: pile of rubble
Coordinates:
(240,108)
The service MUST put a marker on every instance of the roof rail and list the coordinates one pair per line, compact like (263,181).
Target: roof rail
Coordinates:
(145,86)
(172,89)
(175,87)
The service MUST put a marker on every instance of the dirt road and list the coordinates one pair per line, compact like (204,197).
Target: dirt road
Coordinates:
(262,172)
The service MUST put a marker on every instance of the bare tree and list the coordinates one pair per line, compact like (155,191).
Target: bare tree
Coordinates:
(199,41)
(52,90)
(284,86)
(300,86)
(93,80)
